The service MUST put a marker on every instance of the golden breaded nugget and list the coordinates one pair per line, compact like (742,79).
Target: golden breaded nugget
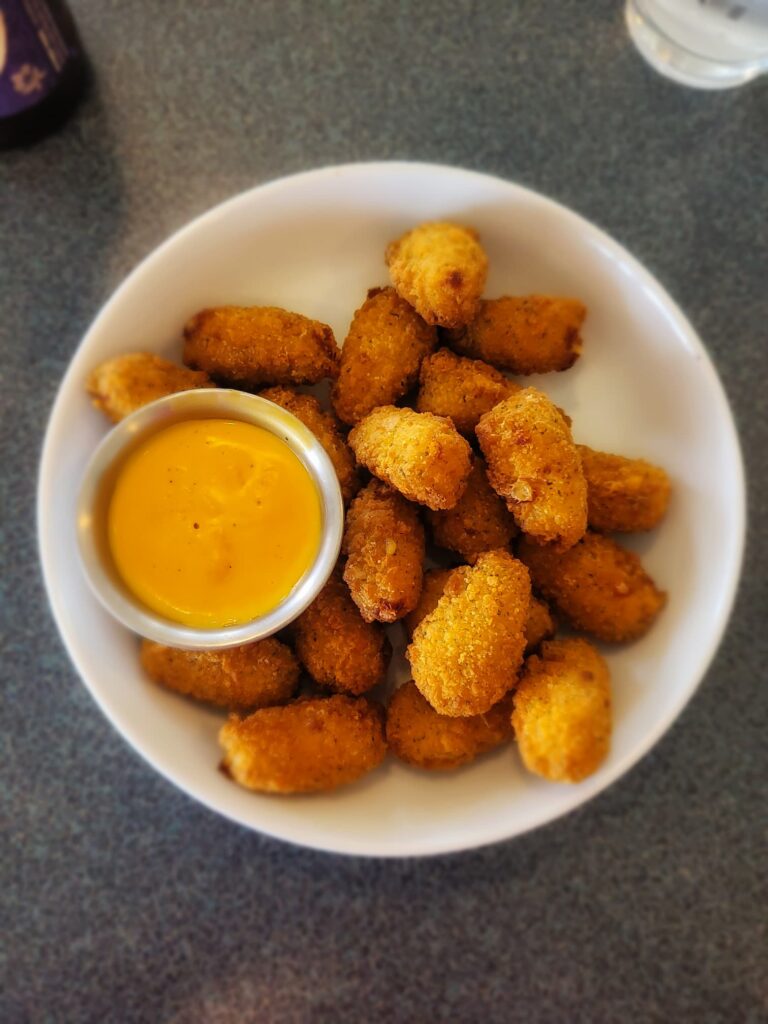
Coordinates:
(540,625)
(384,544)
(336,646)
(381,355)
(533,464)
(431,592)
(250,346)
(479,521)
(250,676)
(465,655)
(311,745)
(421,455)
(125,383)
(440,268)
(598,586)
(624,495)
(461,389)
(532,334)
(419,736)
(325,428)
(562,716)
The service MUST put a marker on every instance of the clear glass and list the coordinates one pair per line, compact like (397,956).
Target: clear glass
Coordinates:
(709,44)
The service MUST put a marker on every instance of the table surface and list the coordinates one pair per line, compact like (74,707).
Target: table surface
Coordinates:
(120,898)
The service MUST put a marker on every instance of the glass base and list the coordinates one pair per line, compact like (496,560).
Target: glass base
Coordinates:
(680,64)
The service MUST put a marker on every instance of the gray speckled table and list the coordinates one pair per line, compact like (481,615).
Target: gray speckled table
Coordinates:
(123,900)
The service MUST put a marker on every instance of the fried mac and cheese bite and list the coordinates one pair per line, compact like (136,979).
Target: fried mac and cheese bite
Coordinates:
(539,625)
(465,654)
(461,389)
(384,544)
(479,521)
(531,334)
(325,428)
(440,269)
(562,711)
(381,355)
(252,346)
(623,495)
(249,676)
(420,455)
(597,585)
(311,745)
(418,735)
(336,646)
(534,465)
(126,383)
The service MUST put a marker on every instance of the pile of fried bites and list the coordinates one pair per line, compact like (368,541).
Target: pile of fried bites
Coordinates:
(488,469)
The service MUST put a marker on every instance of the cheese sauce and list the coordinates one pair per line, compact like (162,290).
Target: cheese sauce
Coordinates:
(212,522)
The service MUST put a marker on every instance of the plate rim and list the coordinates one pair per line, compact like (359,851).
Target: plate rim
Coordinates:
(356,846)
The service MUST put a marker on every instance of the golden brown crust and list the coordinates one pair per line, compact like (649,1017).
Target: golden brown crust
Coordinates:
(325,428)
(250,346)
(381,355)
(540,624)
(461,389)
(597,586)
(531,334)
(534,465)
(480,521)
(440,269)
(465,654)
(250,676)
(336,646)
(308,746)
(419,736)
(126,383)
(432,589)
(384,544)
(562,715)
(420,455)
(623,495)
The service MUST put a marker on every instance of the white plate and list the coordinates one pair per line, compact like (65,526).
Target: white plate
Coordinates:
(644,386)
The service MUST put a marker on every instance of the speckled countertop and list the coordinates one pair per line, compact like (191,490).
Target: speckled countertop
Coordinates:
(121,899)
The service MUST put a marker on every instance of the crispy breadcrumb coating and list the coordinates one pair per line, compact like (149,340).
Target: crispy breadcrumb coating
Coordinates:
(420,455)
(480,521)
(123,384)
(250,346)
(465,654)
(250,676)
(540,624)
(384,544)
(381,355)
(440,268)
(597,586)
(418,735)
(623,494)
(532,334)
(336,646)
(461,389)
(562,715)
(534,465)
(325,428)
(431,592)
(308,746)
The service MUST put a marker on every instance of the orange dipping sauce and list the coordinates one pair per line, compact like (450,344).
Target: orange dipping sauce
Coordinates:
(212,522)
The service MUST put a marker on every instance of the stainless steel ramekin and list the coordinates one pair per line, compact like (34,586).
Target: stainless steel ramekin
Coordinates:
(99,480)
